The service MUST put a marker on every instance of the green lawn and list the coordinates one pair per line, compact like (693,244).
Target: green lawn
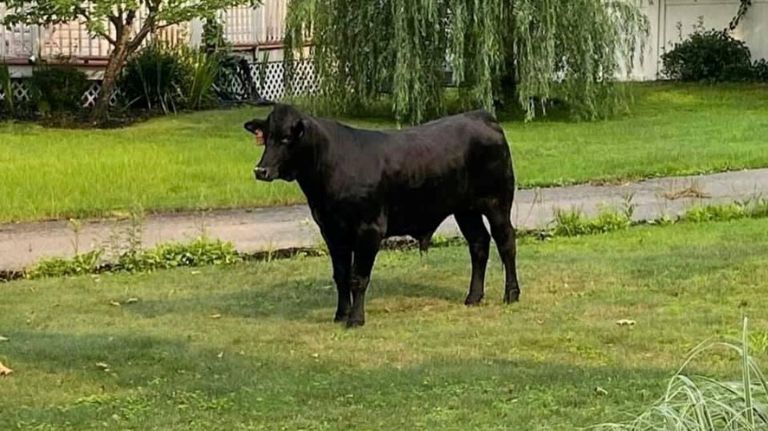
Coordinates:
(204,160)
(252,346)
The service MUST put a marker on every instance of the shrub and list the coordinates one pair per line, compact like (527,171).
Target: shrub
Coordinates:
(153,78)
(708,55)
(760,70)
(167,78)
(203,69)
(58,88)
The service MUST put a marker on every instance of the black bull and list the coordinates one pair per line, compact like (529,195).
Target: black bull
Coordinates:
(364,185)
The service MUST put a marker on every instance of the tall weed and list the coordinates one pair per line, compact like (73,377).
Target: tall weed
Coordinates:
(698,403)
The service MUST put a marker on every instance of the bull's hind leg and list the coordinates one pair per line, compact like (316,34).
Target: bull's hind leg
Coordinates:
(473,229)
(504,235)
(366,247)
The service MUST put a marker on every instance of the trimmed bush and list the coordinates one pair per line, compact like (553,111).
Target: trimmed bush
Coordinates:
(714,56)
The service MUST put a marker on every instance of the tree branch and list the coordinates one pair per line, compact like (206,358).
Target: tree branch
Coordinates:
(146,28)
(106,36)
(83,13)
(130,17)
(118,23)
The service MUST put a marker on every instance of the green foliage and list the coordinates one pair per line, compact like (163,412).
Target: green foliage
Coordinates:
(575,223)
(569,223)
(213,36)
(695,403)
(751,208)
(708,55)
(200,252)
(562,49)
(153,78)
(58,88)
(82,263)
(165,78)
(760,70)
(202,70)
(700,214)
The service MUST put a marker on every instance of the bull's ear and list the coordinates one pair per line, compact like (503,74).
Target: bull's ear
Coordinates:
(299,128)
(255,126)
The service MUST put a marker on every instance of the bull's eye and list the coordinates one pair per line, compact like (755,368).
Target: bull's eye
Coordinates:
(285,141)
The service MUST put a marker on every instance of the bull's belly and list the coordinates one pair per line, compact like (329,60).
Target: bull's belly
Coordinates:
(417,220)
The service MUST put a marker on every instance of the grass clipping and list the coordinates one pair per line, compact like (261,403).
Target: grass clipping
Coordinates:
(701,403)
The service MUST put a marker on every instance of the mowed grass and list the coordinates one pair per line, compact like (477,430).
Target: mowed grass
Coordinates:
(252,346)
(205,159)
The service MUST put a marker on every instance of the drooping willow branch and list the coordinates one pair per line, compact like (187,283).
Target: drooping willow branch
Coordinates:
(566,49)
(744,6)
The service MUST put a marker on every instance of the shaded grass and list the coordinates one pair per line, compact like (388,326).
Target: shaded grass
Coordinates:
(252,346)
(205,159)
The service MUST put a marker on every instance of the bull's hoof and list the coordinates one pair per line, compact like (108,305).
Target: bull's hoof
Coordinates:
(511,297)
(340,317)
(473,300)
(355,323)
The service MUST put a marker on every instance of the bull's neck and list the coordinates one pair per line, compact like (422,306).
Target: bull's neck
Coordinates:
(314,172)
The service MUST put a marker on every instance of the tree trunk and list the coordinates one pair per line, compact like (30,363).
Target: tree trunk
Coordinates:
(114,65)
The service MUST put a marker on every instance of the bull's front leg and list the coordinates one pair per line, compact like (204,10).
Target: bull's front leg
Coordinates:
(341,257)
(366,248)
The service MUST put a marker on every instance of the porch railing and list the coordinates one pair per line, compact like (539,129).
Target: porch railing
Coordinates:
(244,26)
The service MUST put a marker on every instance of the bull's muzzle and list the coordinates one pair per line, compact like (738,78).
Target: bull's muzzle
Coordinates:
(264,174)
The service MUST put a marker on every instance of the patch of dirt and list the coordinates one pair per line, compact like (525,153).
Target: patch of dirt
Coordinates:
(688,192)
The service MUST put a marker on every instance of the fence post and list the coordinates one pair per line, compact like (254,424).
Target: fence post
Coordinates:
(34,35)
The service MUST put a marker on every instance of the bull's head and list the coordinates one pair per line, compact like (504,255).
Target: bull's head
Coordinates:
(281,134)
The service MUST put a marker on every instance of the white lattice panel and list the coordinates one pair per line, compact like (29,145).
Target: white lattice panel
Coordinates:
(20,91)
(272,88)
(273,85)
(92,94)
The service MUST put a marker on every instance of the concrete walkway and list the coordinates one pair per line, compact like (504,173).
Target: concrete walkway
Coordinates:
(273,228)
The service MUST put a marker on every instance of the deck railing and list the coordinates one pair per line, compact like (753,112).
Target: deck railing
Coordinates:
(244,26)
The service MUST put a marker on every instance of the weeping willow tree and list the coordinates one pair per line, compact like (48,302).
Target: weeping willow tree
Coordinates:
(529,51)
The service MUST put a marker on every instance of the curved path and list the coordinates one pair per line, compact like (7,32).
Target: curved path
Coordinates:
(273,228)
